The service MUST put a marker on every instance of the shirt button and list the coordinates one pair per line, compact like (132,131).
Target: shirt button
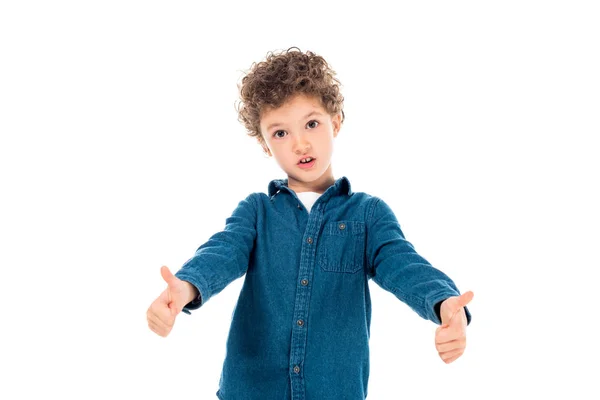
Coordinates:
(299,207)
(309,240)
(296,369)
(342,226)
(304,282)
(300,322)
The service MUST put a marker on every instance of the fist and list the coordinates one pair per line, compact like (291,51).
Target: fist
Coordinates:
(451,336)
(162,312)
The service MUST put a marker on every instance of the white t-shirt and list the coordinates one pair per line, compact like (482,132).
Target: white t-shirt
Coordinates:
(308,198)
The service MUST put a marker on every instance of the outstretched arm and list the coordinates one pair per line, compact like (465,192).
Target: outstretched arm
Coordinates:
(224,257)
(395,265)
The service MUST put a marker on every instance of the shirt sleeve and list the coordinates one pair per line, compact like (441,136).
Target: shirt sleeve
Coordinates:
(224,257)
(395,266)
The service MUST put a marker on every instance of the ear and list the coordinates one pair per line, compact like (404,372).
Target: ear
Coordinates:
(265,148)
(336,121)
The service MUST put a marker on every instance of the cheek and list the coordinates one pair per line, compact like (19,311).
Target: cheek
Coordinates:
(327,133)
(326,139)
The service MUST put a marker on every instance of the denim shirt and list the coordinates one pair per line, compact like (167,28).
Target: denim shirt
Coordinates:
(300,328)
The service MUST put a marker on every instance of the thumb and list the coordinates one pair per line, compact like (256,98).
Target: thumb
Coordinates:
(168,276)
(464,299)
(453,305)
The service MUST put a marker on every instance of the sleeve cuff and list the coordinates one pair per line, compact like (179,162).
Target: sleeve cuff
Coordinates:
(202,290)
(194,304)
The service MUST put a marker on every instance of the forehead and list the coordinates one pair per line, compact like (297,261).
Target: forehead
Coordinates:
(297,103)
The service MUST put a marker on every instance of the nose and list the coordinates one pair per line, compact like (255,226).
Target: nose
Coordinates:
(301,145)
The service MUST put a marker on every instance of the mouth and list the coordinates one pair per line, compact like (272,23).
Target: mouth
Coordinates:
(308,164)
(311,158)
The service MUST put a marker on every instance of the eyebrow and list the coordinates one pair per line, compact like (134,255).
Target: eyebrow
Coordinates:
(310,114)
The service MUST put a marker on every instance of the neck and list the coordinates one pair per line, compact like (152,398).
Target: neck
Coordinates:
(320,185)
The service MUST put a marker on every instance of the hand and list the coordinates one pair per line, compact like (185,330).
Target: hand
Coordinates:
(162,312)
(451,336)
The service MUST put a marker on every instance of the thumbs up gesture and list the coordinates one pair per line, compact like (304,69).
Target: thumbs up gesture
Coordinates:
(451,335)
(162,312)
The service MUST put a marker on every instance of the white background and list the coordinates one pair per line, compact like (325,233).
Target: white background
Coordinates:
(120,152)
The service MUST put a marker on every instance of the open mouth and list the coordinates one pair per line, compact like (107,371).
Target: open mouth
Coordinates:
(307,164)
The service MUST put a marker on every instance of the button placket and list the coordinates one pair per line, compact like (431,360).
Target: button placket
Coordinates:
(300,327)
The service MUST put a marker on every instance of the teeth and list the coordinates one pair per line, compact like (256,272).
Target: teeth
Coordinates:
(305,160)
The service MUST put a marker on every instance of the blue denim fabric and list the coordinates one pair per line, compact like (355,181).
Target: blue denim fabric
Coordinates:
(301,326)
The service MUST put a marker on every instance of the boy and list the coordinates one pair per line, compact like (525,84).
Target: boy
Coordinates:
(300,329)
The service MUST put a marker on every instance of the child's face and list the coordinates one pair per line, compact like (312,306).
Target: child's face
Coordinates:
(300,128)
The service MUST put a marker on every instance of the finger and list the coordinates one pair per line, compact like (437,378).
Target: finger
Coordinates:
(447,322)
(449,334)
(164,320)
(465,299)
(167,275)
(161,317)
(154,328)
(451,356)
(455,304)
(451,360)
(458,320)
(160,331)
(449,308)
(452,345)
(166,309)
(452,353)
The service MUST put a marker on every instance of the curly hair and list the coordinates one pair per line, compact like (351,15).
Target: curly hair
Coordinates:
(280,76)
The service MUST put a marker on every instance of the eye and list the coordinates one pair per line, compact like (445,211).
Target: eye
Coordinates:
(312,124)
(276,134)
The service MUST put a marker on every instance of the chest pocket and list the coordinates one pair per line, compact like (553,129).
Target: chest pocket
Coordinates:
(343,246)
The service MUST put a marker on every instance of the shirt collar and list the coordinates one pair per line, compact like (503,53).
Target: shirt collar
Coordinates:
(341,186)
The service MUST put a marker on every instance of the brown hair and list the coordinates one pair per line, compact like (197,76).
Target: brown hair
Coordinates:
(280,76)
